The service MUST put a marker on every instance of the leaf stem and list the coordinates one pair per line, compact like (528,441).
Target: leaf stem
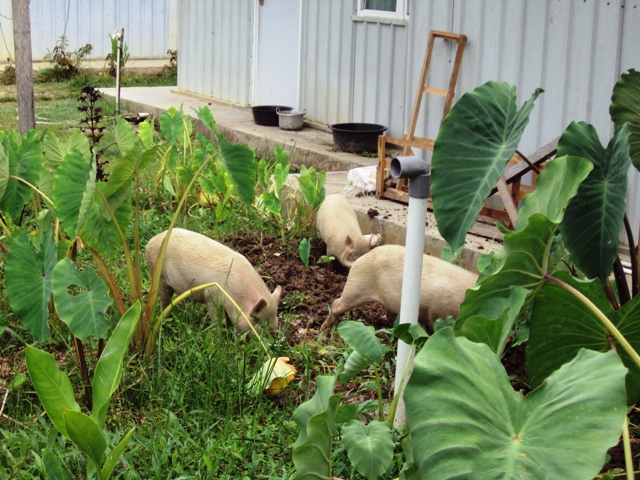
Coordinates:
(601,316)
(628,457)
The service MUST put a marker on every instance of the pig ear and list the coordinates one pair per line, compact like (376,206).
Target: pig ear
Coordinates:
(348,241)
(276,294)
(259,307)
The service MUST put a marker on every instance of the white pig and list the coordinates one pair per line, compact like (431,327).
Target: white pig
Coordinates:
(338,227)
(192,259)
(377,277)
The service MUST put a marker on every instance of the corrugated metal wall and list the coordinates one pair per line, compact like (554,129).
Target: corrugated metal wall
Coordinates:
(574,49)
(148,25)
(216,56)
(355,70)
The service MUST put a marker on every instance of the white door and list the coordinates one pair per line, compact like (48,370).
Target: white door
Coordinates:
(276,67)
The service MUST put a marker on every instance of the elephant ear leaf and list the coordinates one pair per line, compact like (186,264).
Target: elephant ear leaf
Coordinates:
(240,162)
(476,140)
(464,416)
(81,299)
(28,274)
(625,108)
(594,217)
(25,162)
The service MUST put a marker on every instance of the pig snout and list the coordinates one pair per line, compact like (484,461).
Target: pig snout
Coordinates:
(192,259)
(377,277)
(338,227)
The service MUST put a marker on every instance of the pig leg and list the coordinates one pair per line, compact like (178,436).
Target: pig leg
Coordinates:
(349,299)
(165,294)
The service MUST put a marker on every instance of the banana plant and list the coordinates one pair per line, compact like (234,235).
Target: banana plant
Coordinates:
(54,390)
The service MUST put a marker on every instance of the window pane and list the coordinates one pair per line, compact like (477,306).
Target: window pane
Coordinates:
(384,5)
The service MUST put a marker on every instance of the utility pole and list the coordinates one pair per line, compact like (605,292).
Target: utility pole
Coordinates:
(24,67)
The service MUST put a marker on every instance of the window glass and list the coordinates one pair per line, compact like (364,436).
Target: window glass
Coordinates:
(383,8)
(384,5)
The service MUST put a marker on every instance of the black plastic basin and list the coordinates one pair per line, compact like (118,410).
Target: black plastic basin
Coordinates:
(266,114)
(357,137)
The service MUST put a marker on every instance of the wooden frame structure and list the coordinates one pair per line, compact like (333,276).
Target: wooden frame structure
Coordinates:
(509,186)
(409,140)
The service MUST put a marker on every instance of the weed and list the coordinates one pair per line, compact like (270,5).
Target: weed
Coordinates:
(65,64)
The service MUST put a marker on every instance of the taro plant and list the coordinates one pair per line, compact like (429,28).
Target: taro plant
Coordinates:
(182,153)
(82,211)
(289,205)
(55,392)
(369,446)
(580,195)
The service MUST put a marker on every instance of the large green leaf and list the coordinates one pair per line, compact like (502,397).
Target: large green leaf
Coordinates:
(368,349)
(492,322)
(312,186)
(594,217)
(369,447)
(73,187)
(561,325)
(555,187)
(52,386)
(240,162)
(625,107)
(109,368)
(86,434)
(171,125)
(206,117)
(25,162)
(145,131)
(522,262)
(476,140)
(316,420)
(467,422)
(4,170)
(134,161)
(55,149)
(99,231)
(125,136)
(81,299)
(28,275)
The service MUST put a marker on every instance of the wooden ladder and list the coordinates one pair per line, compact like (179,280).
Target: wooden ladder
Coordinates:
(409,139)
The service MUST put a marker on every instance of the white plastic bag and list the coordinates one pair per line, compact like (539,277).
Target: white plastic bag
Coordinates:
(362,181)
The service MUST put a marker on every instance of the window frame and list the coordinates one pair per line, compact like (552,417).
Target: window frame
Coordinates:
(400,13)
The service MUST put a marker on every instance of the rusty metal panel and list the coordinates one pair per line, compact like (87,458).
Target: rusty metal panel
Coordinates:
(147,25)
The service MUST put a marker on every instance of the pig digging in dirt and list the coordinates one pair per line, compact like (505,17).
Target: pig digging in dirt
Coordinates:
(192,259)
(338,227)
(377,277)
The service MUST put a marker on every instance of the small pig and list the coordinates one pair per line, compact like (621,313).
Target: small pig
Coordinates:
(192,259)
(377,277)
(338,227)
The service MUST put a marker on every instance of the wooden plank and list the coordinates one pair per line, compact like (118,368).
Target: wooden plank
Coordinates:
(538,157)
(435,91)
(505,195)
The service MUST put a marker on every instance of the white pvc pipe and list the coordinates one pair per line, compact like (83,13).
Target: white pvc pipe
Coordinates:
(410,299)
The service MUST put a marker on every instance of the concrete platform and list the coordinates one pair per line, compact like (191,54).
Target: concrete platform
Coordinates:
(311,146)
